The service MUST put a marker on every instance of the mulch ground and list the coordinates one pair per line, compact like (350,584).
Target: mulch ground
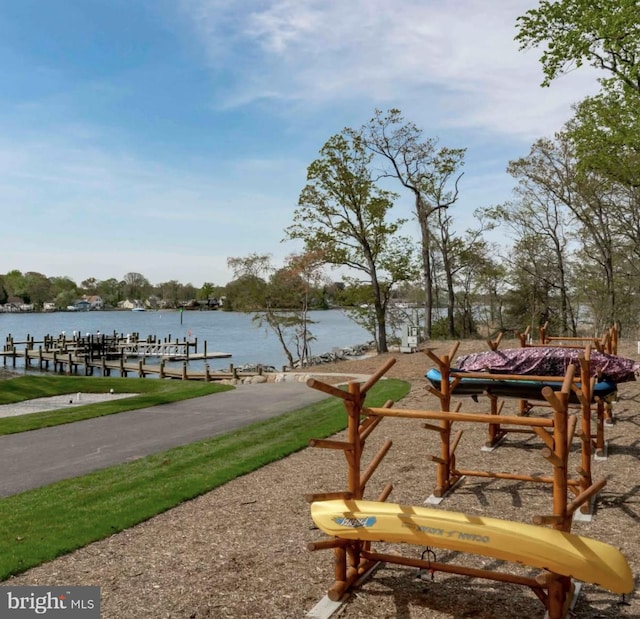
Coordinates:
(240,550)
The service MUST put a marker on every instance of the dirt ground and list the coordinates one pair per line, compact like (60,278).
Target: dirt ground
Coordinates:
(240,550)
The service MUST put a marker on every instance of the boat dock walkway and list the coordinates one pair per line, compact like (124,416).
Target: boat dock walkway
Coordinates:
(114,354)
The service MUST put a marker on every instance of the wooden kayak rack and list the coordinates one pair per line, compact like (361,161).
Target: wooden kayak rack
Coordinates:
(352,558)
(607,343)
(581,384)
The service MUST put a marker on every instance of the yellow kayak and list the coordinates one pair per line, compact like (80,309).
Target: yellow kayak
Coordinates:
(566,554)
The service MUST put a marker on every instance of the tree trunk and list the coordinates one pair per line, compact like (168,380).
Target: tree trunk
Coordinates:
(382,329)
(451,302)
(379,307)
(426,268)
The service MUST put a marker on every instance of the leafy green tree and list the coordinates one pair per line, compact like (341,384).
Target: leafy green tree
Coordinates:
(602,33)
(592,288)
(65,298)
(467,265)
(247,291)
(111,291)
(289,288)
(16,284)
(358,300)
(332,294)
(245,294)
(342,214)
(209,291)
(206,291)
(604,135)
(453,251)
(38,288)
(627,204)
(64,291)
(488,286)
(605,132)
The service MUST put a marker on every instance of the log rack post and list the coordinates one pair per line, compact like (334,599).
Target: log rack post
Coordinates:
(494,432)
(560,455)
(348,561)
(445,464)
(585,394)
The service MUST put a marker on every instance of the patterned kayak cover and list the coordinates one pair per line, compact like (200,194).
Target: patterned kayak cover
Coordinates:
(547,361)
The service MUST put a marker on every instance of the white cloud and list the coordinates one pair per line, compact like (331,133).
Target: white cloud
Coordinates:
(454,63)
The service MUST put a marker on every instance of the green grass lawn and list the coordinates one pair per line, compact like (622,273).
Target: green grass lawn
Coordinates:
(151,393)
(39,525)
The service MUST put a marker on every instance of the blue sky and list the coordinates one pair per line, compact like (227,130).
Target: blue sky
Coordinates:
(164,136)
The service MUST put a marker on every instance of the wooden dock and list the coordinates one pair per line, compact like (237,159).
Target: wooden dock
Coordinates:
(113,354)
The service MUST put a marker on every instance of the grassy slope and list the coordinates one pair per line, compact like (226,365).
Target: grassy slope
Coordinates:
(41,524)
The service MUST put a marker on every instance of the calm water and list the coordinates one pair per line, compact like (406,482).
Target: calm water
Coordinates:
(228,332)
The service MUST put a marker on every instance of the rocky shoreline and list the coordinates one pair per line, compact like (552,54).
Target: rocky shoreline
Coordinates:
(350,353)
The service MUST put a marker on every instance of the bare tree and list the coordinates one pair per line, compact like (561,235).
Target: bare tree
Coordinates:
(430,173)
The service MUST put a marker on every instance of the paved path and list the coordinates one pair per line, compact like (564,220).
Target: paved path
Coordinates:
(40,457)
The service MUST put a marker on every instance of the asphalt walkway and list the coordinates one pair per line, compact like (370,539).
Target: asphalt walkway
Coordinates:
(40,457)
